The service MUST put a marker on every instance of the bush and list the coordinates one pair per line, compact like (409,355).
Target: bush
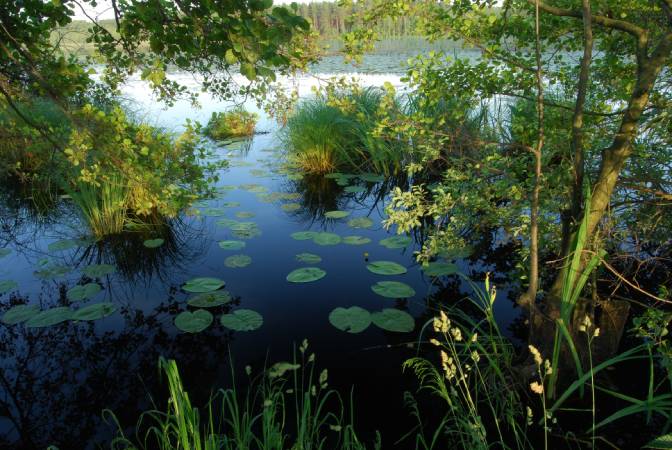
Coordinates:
(231,124)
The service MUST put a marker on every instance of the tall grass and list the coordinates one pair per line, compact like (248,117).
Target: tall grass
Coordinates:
(103,207)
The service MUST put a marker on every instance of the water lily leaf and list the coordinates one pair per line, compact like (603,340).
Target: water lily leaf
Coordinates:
(306,275)
(50,317)
(202,284)
(153,243)
(245,214)
(342,181)
(304,235)
(214,212)
(352,320)
(326,239)
(242,320)
(308,258)
(242,232)
(237,261)
(7,285)
(439,269)
(62,245)
(99,270)
(289,207)
(257,189)
(393,289)
(386,268)
(95,311)
(4,252)
(53,272)
(83,292)
(226,223)
(371,177)
(193,322)
(354,189)
(229,204)
(336,214)
(356,240)
(334,175)
(210,299)
(393,320)
(243,226)
(360,222)
(258,173)
(226,187)
(19,313)
(231,245)
(396,242)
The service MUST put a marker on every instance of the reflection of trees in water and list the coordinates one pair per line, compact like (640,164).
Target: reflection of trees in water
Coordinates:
(55,381)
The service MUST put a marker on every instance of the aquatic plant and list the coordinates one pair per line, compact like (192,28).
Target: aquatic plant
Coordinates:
(103,207)
(231,124)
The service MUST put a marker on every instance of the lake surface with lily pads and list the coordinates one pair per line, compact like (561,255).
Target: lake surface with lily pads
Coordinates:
(274,259)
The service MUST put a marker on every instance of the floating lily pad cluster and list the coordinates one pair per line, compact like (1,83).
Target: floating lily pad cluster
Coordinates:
(355,319)
(345,179)
(33,317)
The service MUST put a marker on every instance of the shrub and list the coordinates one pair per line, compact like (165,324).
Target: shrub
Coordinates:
(231,124)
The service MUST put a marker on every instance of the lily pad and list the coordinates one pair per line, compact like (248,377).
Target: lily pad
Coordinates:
(237,261)
(356,240)
(308,258)
(53,272)
(242,320)
(386,268)
(19,313)
(306,275)
(213,212)
(257,189)
(360,222)
(334,175)
(393,289)
(83,292)
(354,189)
(226,223)
(289,195)
(371,177)
(245,232)
(99,270)
(336,214)
(203,284)
(4,252)
(245,214)
(390,319)
(7,285)
(50,317)
(352,320)
(62,245)
(327,239)
(396,242)
(209,299)
(229,204)
(153,243)
(193,322)
(289,207)
(95,311)
(231,245)
(304,235)
(439,269)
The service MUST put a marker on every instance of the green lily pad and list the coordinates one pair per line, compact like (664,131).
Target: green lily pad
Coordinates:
(62,245)
(50,317)
(209,299)
(308,258)
(53,272)
(83,292)
(371,177)
(4,252)
(245,215)
(334,175)
(95,311)
(306,275)
(227,187)
(202,284)
(393,320)
(336,214)
(396,242)
(258,173)
(304,235)
(99,270)
(237,261)
(289,207)
(19,313)
(226,223)
(354,189)
(360,222)
(153,243)
(327,239)
(258,189)
(7,285)
(242,232)
(393,289)
(229,205)
(342,181)
(231,245)
(243,226)
(214,212)
(193,322)
(242,320)
(356,240)
(439,269)
(352,320)
(386,268)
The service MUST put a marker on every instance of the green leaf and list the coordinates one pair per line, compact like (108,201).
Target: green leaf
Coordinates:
(238,261)
(352,320)
(193,322)
(230,57)
(336,214)
(356,240)
(396,242)
(50,317)
(231,245)
(53,272)
(306,275)
(95,311)
(280,368)
(242,320)
(213,212)
(19,313)
(203,284)
(326,239)
(99,270)
(62,245)
(393,289)
(153,243)
(289,207)
(304,235)
(227,223)
(371,177)
(308,258)
(354,189)
(439,269)
(210,299)
(7,285)
(360,222)
(386,268)
(661,442)
(248,71)
(393,320)
(83,292)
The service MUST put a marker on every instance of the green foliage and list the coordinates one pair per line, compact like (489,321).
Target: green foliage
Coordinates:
(231,124)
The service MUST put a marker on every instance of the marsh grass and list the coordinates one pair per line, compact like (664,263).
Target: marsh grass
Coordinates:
(231,124)
(104,207)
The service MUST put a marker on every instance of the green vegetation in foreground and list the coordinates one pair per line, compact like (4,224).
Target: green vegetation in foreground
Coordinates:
(231,124)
